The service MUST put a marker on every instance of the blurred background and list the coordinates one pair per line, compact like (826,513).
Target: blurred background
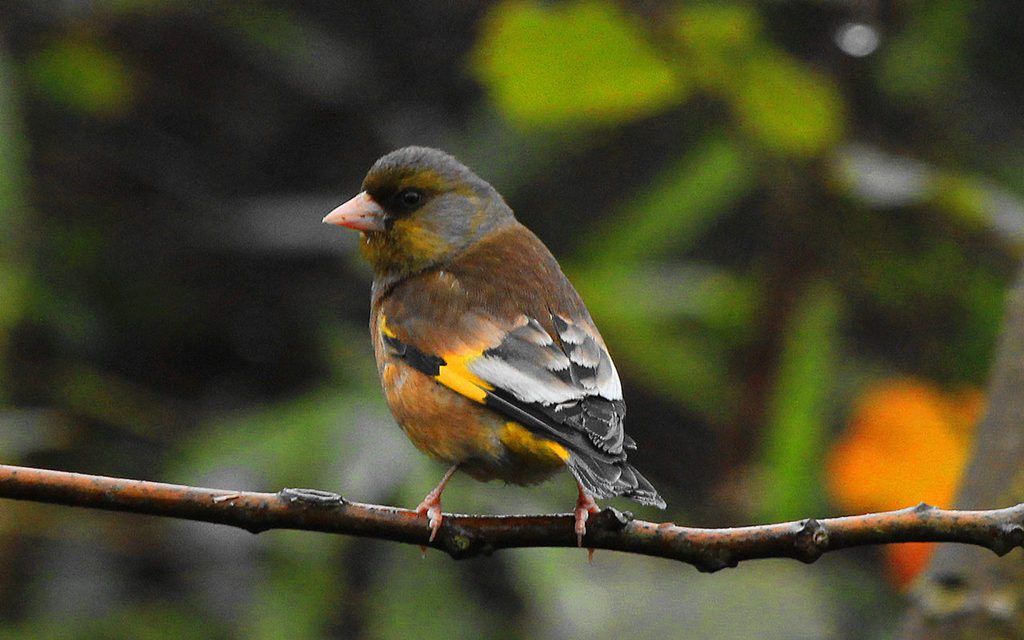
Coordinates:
(794,223)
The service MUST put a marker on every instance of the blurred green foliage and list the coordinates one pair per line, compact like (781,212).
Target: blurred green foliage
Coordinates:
(930,53)
(798,413)
(82,73)
(761,224)
(777,100)
(636,301)
(583,62)
(588,63)
(15,241)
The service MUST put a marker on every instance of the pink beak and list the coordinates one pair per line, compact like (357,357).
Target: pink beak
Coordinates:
(361,213)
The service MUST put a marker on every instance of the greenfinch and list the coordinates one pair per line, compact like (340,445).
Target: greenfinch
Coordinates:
(489,360)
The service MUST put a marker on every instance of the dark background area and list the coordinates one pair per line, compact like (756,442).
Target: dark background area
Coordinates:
(795,240)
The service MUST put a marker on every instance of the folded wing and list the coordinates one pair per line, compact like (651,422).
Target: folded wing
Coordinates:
(560,385)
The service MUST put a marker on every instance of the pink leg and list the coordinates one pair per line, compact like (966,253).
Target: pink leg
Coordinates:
(585,506)
(431,505)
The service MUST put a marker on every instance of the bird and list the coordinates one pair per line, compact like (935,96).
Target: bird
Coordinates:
(488,358)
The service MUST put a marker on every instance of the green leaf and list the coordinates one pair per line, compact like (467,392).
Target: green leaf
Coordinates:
(779,101)
(679,206)
(582,62)
(798,409)
(968,198)
(787,107)
(716,40)
(718,26)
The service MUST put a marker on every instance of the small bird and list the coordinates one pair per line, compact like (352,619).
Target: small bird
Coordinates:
(488,357)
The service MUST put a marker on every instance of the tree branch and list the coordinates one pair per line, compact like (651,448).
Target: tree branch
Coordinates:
(464,536)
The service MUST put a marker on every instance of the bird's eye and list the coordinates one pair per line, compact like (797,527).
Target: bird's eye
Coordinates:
(410,198)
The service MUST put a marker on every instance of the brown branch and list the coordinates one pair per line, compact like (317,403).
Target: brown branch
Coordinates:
(464,536)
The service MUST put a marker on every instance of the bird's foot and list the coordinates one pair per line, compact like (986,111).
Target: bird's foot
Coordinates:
(585,506)
(431,506)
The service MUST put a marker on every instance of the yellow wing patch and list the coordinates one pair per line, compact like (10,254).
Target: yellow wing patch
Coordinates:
(520,440)
(457,377)
(453,373)
(384,328)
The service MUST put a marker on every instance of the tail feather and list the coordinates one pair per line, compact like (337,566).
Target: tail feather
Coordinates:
(603,479)
(640,489)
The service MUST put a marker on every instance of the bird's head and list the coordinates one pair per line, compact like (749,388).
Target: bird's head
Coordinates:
(420,208)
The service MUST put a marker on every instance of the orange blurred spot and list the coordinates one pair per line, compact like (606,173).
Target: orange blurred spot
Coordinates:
(905,561)
(907,442)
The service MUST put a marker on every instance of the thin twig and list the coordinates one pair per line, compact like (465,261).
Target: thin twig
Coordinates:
(464,536)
